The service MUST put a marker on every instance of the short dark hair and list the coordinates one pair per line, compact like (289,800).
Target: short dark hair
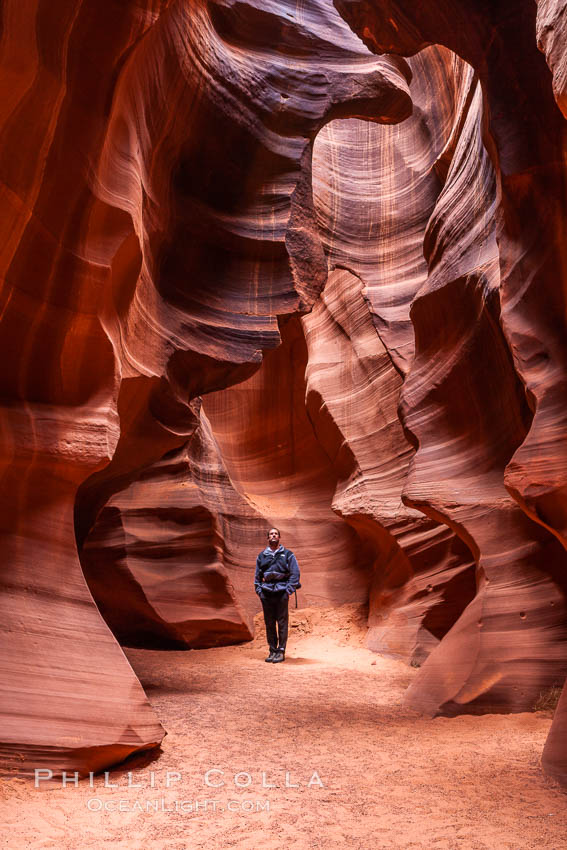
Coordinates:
(273,528)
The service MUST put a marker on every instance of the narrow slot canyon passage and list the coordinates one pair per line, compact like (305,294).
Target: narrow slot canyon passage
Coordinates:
(391,778)
(293,268)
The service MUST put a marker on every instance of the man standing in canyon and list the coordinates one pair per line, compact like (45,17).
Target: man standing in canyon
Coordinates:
(276,578)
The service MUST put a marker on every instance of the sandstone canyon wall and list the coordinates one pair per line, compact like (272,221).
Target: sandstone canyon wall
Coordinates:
(157,220)
(498,41)
(258,270)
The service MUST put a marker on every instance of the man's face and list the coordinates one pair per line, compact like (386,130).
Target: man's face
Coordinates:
(273,537)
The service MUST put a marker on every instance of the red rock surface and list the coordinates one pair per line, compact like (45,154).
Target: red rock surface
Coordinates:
(276,462)
(375,188)
(178,179)
(498,41)
(551,33)
(156,557)
(154,163)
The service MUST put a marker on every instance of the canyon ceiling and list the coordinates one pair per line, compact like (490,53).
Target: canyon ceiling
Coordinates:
(266,262)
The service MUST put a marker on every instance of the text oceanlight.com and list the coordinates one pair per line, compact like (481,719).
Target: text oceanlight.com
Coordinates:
(195,807)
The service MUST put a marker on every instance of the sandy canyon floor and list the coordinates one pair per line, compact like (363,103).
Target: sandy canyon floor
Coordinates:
(349,764)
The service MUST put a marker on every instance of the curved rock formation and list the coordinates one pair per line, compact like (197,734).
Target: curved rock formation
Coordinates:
(70,698)
(551,32)
(530,221)
(178,177)
(249,218)
(158,220)
(422,579)
(156,560)
(375,188)
(554,757)
(275,460)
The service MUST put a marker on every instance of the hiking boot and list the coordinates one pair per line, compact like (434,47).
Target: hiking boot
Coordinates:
(279,656)
(272,655)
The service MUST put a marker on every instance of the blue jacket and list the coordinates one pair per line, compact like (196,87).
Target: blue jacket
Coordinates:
(280,561)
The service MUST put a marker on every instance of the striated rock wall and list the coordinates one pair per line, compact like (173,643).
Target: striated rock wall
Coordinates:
(156,186)
(70,700)
(527,460)
(274,458)
(375,189)
(158,557)
(178,180)
(421,577)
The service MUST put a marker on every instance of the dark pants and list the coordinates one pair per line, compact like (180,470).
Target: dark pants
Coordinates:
(275,607)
